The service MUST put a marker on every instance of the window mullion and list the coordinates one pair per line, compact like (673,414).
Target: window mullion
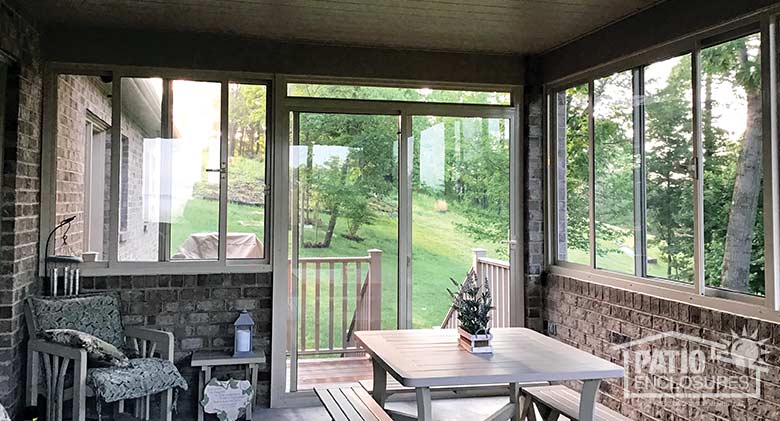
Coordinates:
(771,149)
(116,150)
(166,119)
(698,174)
(591,176)
(223,167)
(640,208)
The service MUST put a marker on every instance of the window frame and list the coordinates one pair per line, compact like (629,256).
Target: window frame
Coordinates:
(767,24)
(111,266)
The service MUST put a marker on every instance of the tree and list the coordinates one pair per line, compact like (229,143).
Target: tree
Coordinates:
(738,63)
(669,180)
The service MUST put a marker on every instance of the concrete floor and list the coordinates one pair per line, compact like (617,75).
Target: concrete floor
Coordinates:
(470,409)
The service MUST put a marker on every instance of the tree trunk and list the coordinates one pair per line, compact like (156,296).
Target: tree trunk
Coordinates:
(744,202)
(331,227)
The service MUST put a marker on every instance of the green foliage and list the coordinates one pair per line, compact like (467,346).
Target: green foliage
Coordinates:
(473,304)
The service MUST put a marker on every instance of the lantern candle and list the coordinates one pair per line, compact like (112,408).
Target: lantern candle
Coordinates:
(243,340)
(244,327)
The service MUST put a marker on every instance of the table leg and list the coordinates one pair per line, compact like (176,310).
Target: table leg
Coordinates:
(255,367)
(201,385)
(588,399)
(424,404)
(379,391)
(516,398)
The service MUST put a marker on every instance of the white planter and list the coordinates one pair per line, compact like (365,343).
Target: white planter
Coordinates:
(476,344)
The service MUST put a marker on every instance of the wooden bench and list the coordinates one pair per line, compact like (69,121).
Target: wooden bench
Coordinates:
(562,400)
(350,402)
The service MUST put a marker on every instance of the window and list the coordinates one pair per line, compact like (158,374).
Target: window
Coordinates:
(96,146)
(613,136)
(397,94)
(141,134)
(124,178)
(178,165)
(83,151)
(668,157)
(732,149)
(573,181)
(677,172)
(247,183)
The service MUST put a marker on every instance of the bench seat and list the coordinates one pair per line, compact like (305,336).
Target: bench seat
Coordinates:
(562,400)
(350,402)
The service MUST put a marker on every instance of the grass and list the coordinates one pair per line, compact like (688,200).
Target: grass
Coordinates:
(440,251)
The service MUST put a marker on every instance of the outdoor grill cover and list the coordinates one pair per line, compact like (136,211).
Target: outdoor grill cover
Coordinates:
(240,245)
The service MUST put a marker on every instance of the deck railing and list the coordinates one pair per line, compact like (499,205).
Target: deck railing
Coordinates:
(496,273)
(347,296)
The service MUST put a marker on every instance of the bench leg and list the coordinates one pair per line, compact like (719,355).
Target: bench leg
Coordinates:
(424,404)
(516,397)
(588,399)
(379,391)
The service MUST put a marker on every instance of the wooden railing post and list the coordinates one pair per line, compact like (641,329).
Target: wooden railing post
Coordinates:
(478,254)
(375,289)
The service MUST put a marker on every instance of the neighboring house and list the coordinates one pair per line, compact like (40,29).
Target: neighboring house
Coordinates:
(83,153)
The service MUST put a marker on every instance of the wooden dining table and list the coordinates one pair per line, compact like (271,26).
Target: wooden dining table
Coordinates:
(424,359)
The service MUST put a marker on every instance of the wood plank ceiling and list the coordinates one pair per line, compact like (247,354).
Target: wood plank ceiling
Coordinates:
(489,26)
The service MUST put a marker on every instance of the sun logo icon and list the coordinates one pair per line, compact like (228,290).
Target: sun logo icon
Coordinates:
(746,350)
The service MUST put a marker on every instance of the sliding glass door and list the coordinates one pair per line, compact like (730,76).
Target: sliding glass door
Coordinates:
(391,206)
(344,242)
(460,214)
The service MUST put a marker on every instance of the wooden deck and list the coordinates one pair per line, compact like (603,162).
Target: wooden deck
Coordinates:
(314,371)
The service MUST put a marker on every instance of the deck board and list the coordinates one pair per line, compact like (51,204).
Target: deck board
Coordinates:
(314,371)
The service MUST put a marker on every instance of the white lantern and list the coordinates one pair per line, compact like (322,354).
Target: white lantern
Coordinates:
(244,329)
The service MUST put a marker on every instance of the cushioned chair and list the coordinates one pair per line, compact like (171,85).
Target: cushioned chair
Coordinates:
(150,370)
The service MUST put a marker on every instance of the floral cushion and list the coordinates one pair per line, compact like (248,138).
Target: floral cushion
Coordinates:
(99,352)
(142,376)
(3,414)
(96,314)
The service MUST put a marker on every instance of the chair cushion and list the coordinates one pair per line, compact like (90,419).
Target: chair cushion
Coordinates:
(99,352)
(143,376)
(96,314)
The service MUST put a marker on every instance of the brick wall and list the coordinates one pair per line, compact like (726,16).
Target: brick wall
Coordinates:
(595,318)
(20,204)
(534,208)
(200,311)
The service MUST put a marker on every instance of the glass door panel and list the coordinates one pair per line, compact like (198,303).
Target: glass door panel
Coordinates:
(344,242)
(460,214)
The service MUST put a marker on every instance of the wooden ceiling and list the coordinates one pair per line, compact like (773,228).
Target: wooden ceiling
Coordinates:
(488,26)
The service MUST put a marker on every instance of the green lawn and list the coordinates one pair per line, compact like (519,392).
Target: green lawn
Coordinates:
(440,251)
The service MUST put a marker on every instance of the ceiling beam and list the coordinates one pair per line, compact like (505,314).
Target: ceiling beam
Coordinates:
(202,51)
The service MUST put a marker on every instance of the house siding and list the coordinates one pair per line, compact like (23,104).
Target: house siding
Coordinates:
(20,205)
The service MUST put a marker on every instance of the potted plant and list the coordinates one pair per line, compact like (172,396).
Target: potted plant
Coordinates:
(473,305)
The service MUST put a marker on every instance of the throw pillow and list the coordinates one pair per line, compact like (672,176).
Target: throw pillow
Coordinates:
(99,351)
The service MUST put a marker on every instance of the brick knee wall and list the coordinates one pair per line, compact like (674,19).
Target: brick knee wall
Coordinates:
(200,311)
(595,318)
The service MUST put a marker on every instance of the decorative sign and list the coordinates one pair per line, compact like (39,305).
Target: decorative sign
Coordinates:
(226,399)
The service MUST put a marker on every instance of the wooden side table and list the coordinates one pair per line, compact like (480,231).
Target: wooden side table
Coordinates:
(208,360)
